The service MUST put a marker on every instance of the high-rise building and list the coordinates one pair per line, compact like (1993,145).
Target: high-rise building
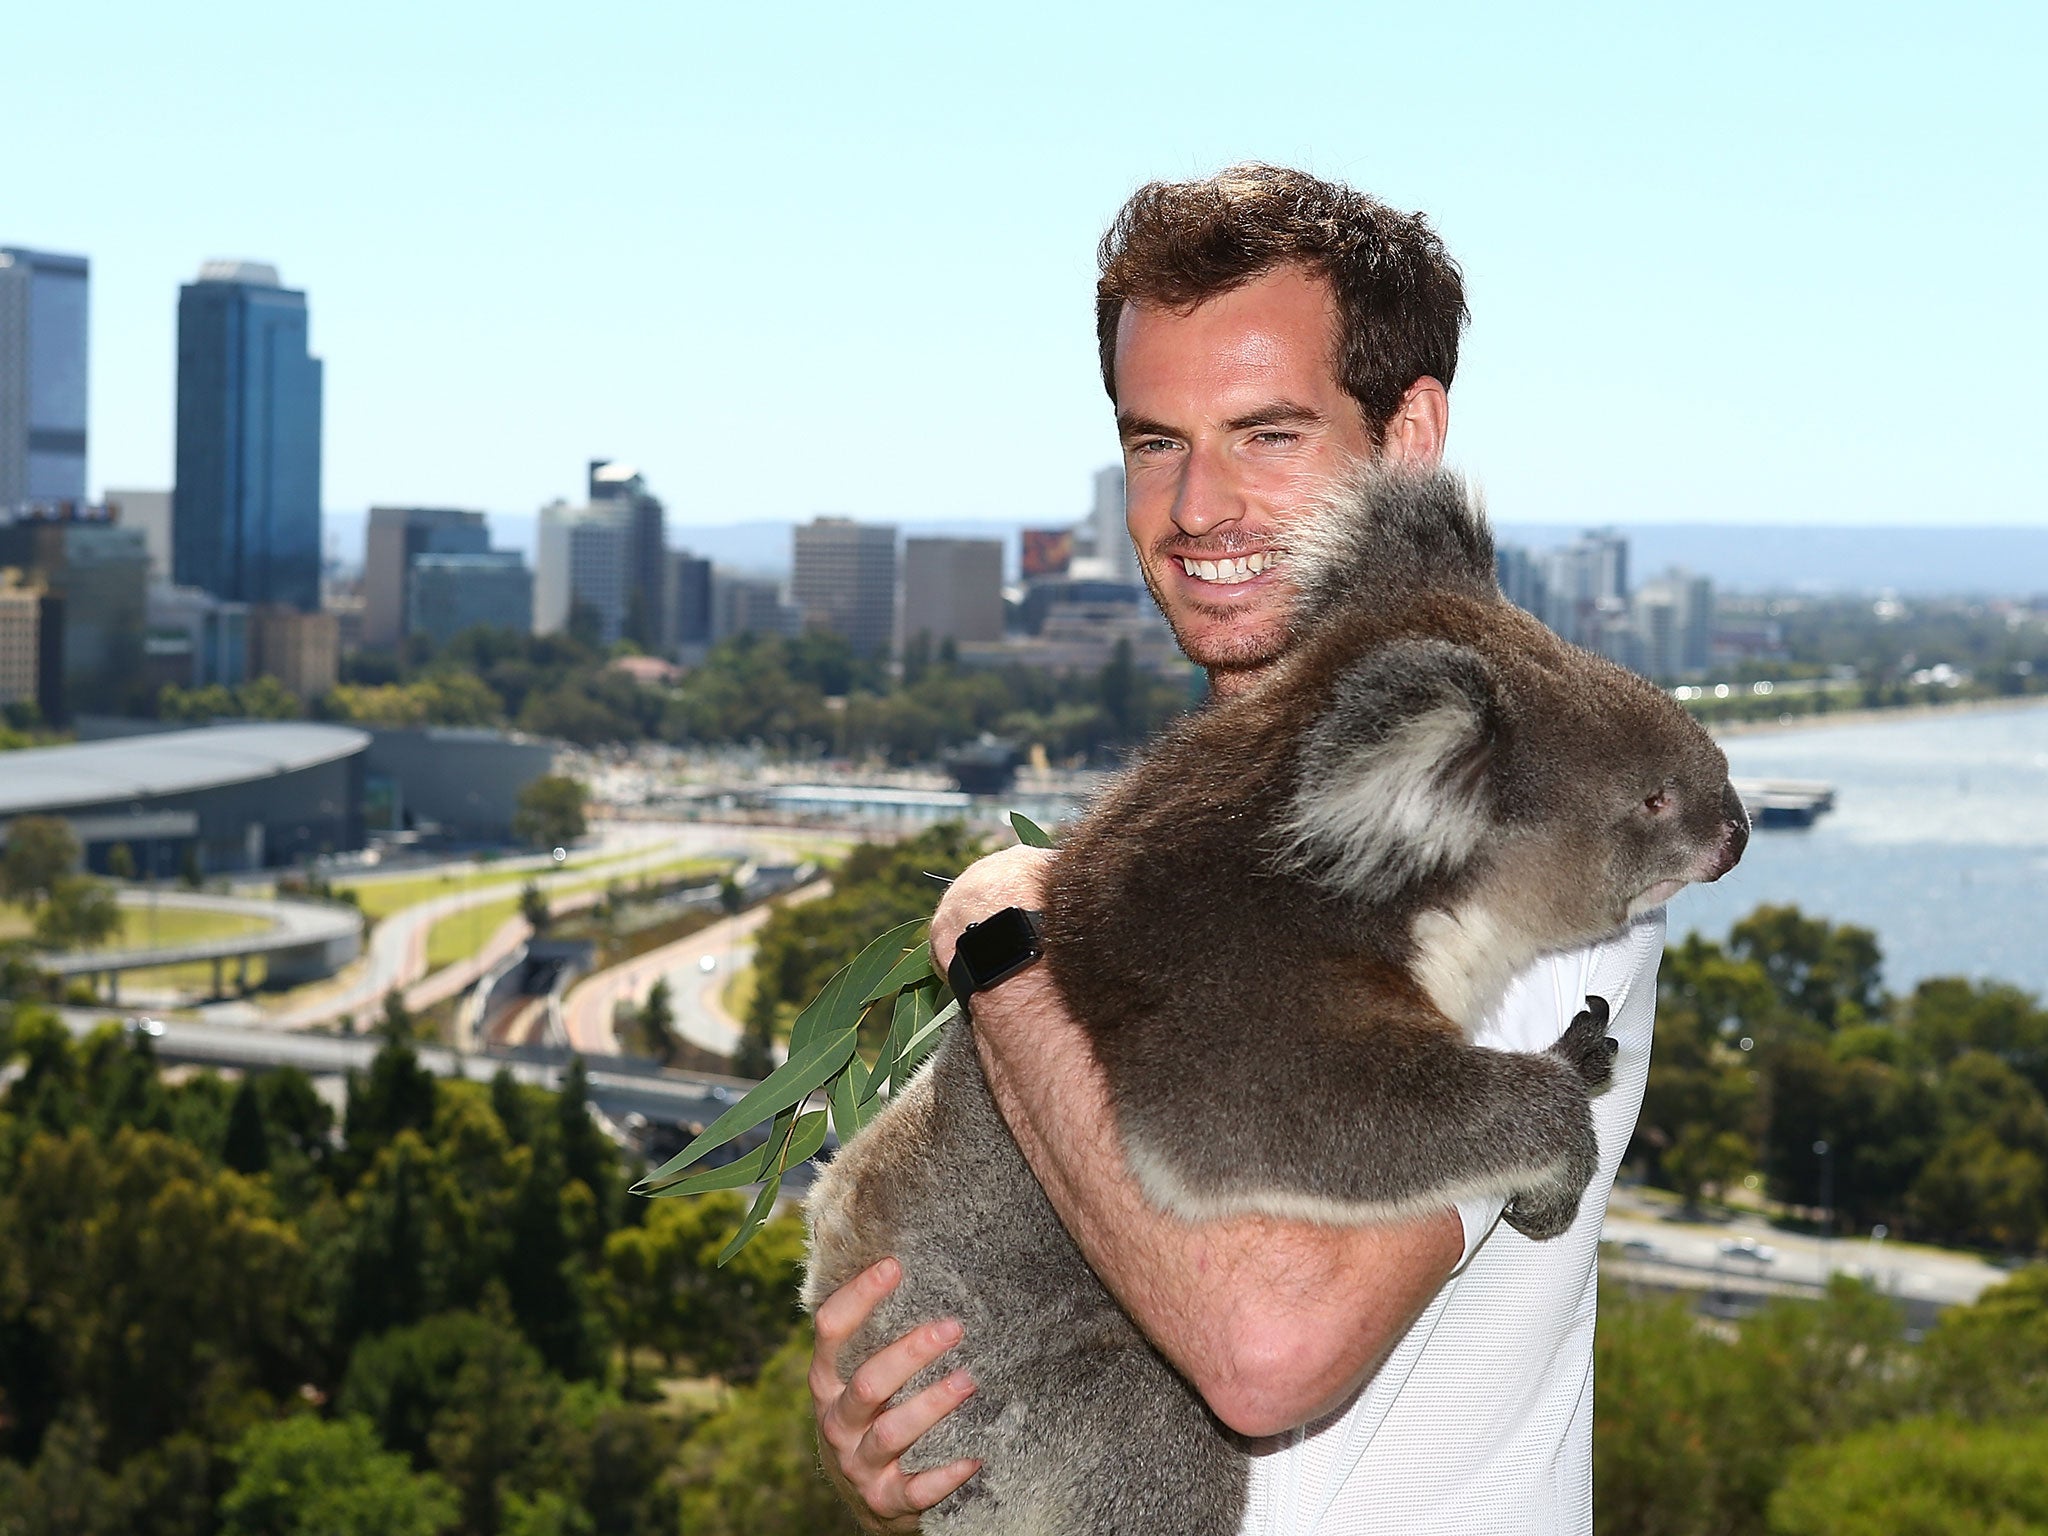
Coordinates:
(100,573)
(582,571)
(396,537)
(1586,589)
(43,310)
(195,639)
(750,605)
(246,511)
(21,647)
(150,512)
(1674,617)
(1112,535)
(300,650)
(686,604)
(621,487)
(843,578)
(451,593)
(1521,577)
(953,589)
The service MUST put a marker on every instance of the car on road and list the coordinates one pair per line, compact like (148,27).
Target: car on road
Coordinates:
(708,963)
(1749,1249)
(142,1024)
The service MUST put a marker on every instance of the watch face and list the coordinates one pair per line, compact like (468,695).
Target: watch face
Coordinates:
(998,945)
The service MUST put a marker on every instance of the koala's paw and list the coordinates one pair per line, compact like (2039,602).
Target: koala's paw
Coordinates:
(1587,1048)
(1541,1217)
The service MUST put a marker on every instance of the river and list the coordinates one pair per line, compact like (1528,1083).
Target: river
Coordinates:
(1938,842)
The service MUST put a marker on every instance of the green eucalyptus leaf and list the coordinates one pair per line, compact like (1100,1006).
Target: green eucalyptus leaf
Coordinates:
(921,1043)
(748,1168)
(1029,832)
(757,1213)
(795,1080)
(913,967)
(913,1010)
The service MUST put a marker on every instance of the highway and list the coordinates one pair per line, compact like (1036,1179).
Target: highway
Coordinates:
(618,1086)
(1660,1250)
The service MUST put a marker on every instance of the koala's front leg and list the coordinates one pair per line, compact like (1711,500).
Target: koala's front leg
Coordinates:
(1588,1050)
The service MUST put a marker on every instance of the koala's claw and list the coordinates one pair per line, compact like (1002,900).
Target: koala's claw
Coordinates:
(1541,1218)
(1587,1048)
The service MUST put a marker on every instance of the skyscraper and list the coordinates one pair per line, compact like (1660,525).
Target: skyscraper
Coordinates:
(953,589)
(43,304)
(843,577)
(397,537)
(246,510)
(582,571)
(623,488)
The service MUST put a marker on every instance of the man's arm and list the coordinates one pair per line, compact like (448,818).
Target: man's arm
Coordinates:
(1274,1322)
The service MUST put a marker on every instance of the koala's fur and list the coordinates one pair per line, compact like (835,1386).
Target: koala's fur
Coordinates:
(1279,932)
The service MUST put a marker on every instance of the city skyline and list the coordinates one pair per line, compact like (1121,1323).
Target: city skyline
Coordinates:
(1713,278)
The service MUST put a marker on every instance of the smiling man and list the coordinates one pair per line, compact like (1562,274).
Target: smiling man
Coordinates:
(1262,333)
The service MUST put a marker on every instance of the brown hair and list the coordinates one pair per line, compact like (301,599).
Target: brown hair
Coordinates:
(1400,298)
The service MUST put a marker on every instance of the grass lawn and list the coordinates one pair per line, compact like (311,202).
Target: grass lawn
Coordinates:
(143,929)
(464,933)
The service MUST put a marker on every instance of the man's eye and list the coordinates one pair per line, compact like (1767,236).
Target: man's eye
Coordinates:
(1147,445)
(1276,439)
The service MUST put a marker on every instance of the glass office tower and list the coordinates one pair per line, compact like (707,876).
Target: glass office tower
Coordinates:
(245,521)
(43,301)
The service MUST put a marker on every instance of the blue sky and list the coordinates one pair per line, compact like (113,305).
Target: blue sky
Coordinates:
(1732,263)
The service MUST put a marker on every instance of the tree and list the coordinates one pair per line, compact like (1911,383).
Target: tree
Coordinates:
(304,1477)
(752,1467)
(1927,1477)
(247,1149)
(79,912)
(533,906)
(550,811)
(40,852)
(755,1057)
(121,862)
(658,1021)
(1829,973)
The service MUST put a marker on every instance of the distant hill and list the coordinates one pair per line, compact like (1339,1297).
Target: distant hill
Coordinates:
(1915,562)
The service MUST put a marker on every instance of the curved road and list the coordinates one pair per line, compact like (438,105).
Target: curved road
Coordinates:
(694,992)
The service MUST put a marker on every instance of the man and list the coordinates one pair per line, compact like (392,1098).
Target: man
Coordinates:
(1262,333)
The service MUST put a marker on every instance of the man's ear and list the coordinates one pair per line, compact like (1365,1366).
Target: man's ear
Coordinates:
(1414,435)
(1396,776)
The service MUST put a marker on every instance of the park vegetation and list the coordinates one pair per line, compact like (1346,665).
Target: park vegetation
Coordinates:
(806,695)
(224,1307)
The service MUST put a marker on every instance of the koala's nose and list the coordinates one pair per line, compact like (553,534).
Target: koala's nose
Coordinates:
(1734,832)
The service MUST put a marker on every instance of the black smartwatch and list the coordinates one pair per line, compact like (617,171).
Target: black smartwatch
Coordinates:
(993,950)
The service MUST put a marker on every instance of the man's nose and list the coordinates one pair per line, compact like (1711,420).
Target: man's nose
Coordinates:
(1208,495)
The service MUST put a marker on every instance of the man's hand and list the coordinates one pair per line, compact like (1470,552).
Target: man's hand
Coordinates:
(860,1438)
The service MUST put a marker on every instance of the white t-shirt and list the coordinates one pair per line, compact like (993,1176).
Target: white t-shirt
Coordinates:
(1481,1420)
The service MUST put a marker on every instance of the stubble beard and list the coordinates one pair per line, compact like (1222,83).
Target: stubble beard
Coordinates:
(1225,648)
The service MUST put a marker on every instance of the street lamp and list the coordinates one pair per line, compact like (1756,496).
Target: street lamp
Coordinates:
(1826,1155)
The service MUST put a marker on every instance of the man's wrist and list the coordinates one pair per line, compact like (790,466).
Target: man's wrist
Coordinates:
(990,952)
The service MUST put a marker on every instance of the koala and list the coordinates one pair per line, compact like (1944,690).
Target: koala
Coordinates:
(1279,933)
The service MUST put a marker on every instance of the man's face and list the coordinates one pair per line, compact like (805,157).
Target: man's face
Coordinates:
(1231,417)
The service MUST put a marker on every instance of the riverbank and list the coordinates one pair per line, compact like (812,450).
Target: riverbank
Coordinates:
(1728,729)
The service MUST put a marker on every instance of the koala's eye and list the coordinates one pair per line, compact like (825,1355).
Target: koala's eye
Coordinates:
(1659,803)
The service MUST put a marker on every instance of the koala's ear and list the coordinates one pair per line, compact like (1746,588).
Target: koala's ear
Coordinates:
(1395,781)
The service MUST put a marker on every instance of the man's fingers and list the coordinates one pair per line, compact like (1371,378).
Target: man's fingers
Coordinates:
(845,1310)
(927,1488)
(889,1369)
(895,1431)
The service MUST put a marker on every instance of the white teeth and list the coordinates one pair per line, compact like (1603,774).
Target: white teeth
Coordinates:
(1243,568)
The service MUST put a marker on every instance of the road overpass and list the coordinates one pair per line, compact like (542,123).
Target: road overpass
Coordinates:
(299,941)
